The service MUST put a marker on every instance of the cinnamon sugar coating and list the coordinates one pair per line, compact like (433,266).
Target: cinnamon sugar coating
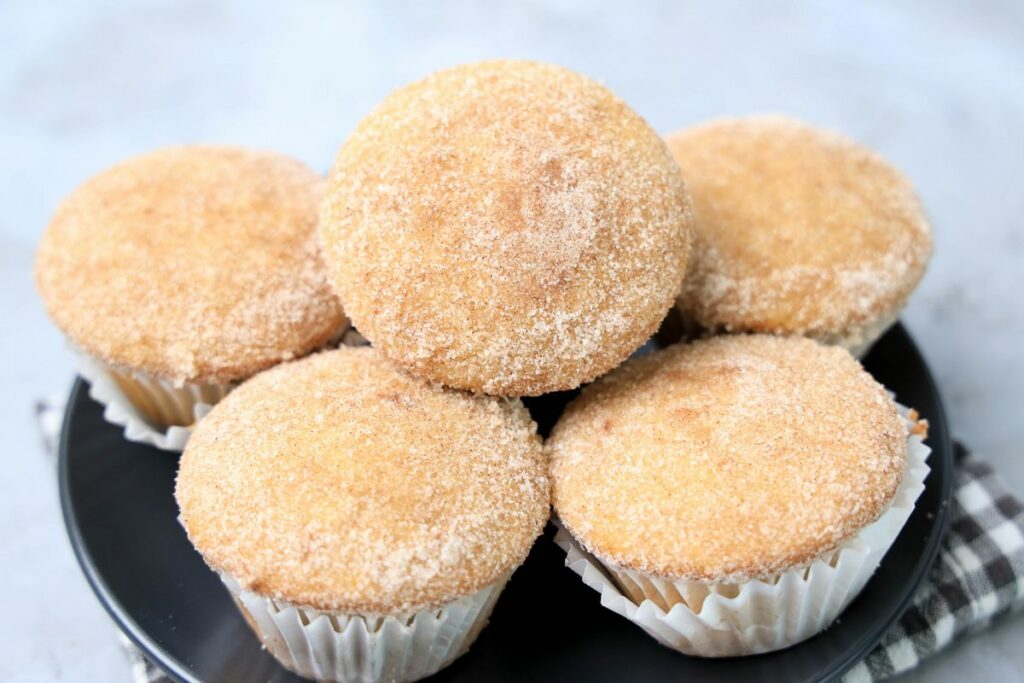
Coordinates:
(725,460)
(341,483)
(506,227)
(797,230)
(193,264)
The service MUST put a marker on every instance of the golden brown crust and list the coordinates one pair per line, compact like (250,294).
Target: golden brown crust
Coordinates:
(506,227)
(193,264)
(728,459)
(341,483)
(797,230)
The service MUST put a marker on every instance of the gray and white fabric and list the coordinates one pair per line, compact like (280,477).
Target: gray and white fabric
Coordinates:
(979,574)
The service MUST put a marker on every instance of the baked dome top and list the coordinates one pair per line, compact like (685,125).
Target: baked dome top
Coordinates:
(506,227)
(729,459)
(797,230)
(342,483)
(194,264)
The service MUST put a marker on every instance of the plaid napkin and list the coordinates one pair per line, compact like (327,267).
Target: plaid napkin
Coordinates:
(979,574)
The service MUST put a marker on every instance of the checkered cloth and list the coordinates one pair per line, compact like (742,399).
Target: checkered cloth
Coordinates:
(979,574)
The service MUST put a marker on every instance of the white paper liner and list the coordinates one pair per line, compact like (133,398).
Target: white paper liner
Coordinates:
(353,338)
(860,340)
(190,399)
(165,402)
(761,615)
(331,646)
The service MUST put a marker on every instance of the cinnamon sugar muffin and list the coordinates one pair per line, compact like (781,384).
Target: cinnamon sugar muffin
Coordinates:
(364,509)
(798,231)
(506,227)
(708,477)
(187,269)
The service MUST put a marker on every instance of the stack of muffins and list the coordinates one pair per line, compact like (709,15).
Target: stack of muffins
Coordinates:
(495,231)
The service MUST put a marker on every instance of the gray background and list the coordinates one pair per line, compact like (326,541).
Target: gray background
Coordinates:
(935,87)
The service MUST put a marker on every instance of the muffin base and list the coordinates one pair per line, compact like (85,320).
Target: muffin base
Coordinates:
(857,340)
(151,410)
(723,620)
(332,646)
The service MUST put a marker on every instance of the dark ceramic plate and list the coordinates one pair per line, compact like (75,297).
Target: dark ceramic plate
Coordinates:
(121,516)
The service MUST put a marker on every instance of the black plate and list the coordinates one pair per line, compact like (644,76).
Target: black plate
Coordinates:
(121,516)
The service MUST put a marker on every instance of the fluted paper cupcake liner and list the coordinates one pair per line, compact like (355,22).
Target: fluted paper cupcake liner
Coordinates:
(857,340)
(332,646)
(152,411)
(720,620)
(860,340)
(353,338)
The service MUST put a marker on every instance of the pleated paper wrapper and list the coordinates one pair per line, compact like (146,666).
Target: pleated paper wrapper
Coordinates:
(722,620)
(155,411)
(328,646)
(858,340)
(151,410)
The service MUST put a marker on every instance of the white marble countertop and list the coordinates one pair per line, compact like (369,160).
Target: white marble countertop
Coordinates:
(937,89)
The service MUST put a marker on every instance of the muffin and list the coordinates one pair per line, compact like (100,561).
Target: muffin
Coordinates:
(364,521)
(797,231)
(180,272)
(731,496)
(506,227)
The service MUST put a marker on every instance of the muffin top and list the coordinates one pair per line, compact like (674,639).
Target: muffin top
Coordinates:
(193,264)
(729,459)
(341,483)
(506,227)
(797,230)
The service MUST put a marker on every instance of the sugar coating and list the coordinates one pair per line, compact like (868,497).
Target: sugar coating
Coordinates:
(797,230)
(725,460)
(193,264)
(506,227)
(341,483)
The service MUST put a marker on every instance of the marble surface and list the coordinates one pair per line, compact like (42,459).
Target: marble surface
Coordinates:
(936,87)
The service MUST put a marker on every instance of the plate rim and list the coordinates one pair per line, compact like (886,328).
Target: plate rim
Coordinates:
(940,524)
(104,594)
(943,448)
